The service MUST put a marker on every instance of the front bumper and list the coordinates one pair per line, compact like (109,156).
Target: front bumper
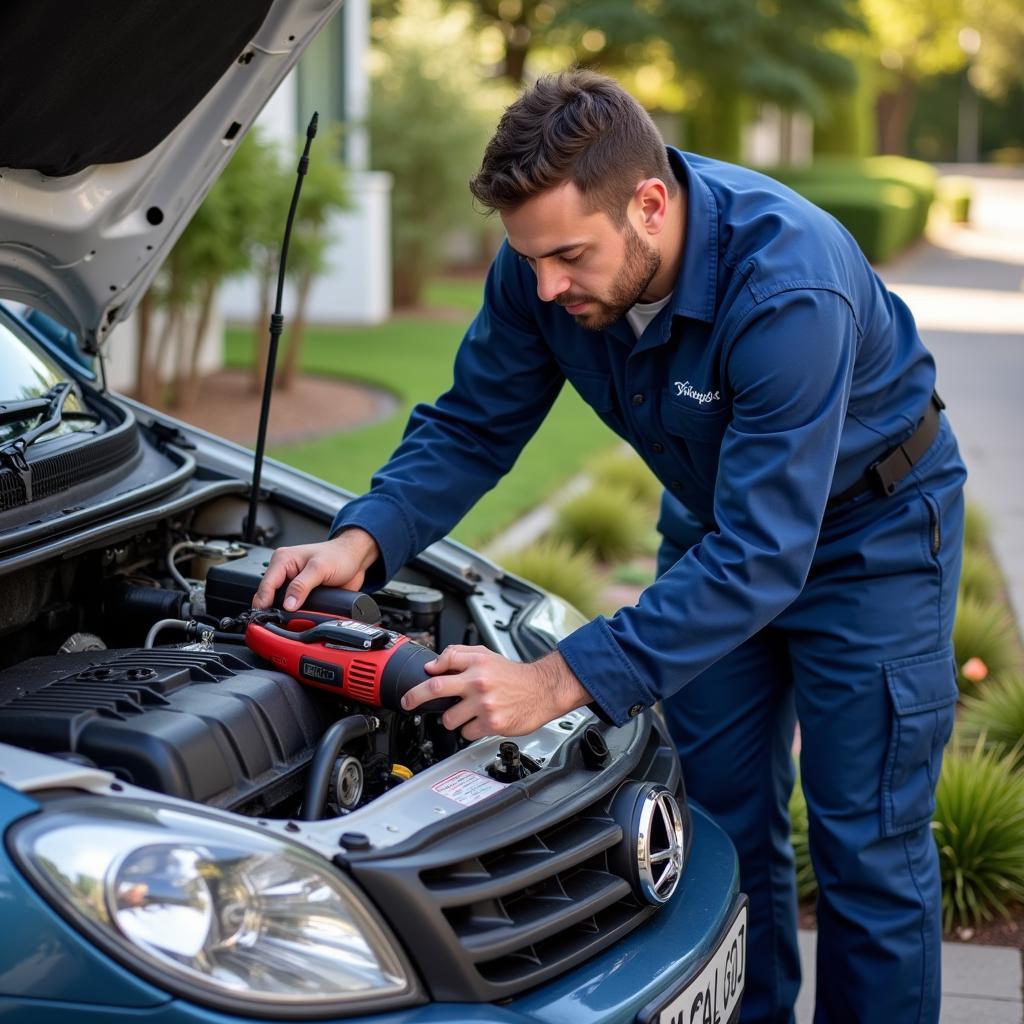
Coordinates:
(62,978)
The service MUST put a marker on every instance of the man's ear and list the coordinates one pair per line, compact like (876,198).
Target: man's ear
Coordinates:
(651,199)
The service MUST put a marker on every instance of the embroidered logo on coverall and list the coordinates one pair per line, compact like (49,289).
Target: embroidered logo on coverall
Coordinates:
(684,389)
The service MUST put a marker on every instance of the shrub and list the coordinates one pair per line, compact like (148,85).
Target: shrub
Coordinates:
(555,566)
(626,471)
(985,631)
(806,883)
(975,527)
(882,201)
(997,716)
(881,217)
(954,193)
(605,520)
(979,830)
(980,576)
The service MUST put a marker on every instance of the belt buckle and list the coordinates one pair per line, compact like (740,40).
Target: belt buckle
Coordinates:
(890,469)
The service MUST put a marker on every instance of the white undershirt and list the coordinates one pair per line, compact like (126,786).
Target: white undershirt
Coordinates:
(640,314)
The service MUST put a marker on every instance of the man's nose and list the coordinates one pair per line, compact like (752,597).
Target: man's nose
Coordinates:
(551,281)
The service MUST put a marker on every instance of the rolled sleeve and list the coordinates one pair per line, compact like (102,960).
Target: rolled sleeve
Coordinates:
(789,368)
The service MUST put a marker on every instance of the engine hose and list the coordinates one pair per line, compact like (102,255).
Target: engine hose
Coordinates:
(345,730)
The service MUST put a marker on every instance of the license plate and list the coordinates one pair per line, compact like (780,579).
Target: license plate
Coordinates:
(712,997)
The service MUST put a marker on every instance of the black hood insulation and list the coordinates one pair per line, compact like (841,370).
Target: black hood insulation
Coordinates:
(108,80)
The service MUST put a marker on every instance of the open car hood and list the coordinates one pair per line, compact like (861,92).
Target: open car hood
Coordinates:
(118,117)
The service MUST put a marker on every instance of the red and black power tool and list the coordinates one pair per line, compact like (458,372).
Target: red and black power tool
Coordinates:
(366,663)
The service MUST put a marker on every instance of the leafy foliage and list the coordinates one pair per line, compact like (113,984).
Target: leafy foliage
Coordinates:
(557,567)
(604,520)
(979,829)
(985,631)
(997,715)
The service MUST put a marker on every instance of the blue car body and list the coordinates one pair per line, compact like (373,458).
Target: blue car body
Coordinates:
(51,974)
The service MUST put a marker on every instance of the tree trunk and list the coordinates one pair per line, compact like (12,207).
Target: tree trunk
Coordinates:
(717,124)
(296,333)
(146,389)
(172,315)
(515,60)
(894,110)
(190,385)
(181,350)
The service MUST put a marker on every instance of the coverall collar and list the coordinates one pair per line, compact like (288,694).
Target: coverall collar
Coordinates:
(694,295)
(696,286)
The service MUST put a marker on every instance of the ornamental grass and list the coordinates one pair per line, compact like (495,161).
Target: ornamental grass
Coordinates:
(984,643)
(975,527)
(604,520)
(806,883)
(980,577)
(997,716)
(979,830)
(625,471)
(555,566)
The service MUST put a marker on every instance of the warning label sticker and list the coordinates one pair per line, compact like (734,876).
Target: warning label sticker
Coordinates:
(466,788)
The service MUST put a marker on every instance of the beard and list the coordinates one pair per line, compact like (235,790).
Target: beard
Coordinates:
(640,262)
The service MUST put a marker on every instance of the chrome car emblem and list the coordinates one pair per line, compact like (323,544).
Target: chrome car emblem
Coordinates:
(659,846)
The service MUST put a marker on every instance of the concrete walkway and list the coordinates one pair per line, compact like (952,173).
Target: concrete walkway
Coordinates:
(980,984)
(966,289)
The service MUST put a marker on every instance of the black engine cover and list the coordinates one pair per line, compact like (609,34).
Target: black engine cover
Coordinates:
(205,726)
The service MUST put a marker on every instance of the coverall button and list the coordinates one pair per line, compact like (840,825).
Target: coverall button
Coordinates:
(657,447)
(638,399)
(635,710)
(676,485)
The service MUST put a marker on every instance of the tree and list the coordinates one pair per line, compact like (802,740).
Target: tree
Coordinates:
(324,192)
(918,39)
(431,115)
(217,243)
(522,24)
(737,50)
(912,39)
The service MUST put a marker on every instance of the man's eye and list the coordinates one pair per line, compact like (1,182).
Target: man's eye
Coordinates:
(572,259)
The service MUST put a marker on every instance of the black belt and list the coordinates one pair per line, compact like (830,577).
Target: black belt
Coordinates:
(885,475)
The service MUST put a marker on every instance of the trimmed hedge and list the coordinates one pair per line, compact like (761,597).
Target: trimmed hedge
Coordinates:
(882,201)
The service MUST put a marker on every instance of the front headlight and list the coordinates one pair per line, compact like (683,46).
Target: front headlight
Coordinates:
(217,912)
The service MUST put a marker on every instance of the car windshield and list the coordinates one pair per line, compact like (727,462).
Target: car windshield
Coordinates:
(28,382)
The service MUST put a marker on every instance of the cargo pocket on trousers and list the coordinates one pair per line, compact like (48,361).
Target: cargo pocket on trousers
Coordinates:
(923,693)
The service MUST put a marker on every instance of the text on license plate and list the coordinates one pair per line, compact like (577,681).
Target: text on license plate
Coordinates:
(712,996)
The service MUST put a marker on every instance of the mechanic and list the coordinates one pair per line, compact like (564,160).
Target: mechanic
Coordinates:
(735,335)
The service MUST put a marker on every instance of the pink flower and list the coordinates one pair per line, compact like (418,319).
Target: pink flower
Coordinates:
(974,670)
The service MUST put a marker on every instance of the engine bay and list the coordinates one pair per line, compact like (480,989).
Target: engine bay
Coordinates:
(132,659)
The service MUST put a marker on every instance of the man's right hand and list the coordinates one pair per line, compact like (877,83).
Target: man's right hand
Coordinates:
(341,561)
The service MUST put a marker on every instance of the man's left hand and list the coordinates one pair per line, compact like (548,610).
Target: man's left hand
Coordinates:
(498,697)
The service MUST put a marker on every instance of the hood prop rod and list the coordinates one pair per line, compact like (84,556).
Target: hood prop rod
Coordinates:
(276,329)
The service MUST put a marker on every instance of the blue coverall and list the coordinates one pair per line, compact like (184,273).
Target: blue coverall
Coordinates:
(778,372)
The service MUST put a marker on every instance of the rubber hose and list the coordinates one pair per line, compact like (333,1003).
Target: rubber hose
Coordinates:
(345,730)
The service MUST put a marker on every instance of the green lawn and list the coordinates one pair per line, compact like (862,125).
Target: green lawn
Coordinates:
(412,356)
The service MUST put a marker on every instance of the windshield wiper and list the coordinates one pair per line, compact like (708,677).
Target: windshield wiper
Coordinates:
(12,453)
(11,412)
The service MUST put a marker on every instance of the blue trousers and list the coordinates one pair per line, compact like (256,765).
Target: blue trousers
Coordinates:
(862,660)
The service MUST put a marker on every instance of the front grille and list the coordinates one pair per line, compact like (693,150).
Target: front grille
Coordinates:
(507,913)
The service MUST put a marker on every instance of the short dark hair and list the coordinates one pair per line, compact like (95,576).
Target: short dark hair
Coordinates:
(575,126)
